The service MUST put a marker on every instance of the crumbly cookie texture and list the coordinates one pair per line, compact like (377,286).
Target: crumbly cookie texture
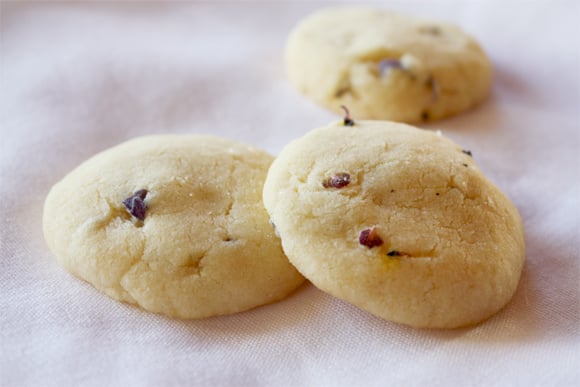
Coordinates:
(174,224)
(386,66)
(397,221)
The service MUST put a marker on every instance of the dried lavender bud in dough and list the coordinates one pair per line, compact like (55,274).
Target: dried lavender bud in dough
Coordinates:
(135,204)
(370,238)
(340,180)
(347,120)
(388,64)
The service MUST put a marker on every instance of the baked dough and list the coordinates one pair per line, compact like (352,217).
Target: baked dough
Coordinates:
(204,247)
(397,221)
(388,66)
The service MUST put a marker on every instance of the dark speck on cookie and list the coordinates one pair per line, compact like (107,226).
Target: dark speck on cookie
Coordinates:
(430,30)
(397,253)
(347,120)
(135,204)
(370,238)
(339,180)
(388,64)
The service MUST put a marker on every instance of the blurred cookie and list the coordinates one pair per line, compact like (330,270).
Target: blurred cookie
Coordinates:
(397,221)
(174,224)
(386,66)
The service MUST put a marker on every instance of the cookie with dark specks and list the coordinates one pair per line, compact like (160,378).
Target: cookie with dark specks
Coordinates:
(388,66)
(174,224)
(397,221)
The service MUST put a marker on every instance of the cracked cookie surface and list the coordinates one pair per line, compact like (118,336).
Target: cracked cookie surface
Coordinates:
(388,66)
(418,236)
(204,247)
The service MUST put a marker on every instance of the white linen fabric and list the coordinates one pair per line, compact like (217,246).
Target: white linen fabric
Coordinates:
(77,78)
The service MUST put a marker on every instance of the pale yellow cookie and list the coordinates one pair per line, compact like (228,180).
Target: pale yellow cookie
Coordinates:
(174,224)
(388,66)
(397,221)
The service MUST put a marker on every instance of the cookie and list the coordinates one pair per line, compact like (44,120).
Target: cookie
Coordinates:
(173,224)
(387,66)
(397,221)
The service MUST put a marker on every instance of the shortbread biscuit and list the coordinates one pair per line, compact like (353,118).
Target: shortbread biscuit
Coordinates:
(174,224)
(386,66)
(397,221)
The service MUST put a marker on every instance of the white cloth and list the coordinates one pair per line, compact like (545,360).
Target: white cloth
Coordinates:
(76,78)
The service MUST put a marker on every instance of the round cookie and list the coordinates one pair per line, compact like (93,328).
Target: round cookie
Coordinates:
(386,66)
(174,224)
(397,221)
